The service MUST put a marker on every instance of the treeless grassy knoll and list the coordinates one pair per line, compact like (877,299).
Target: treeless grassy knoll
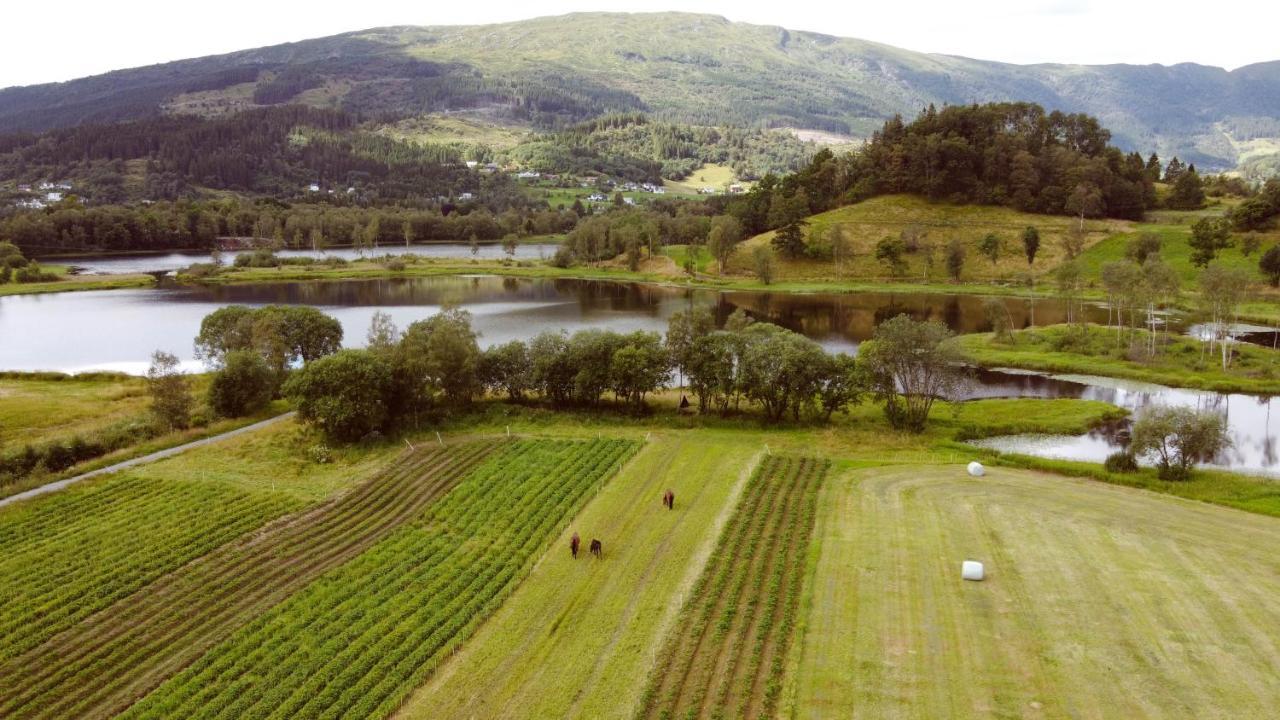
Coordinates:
(727,654)
(358,639)
(573,639)
(864,224)
(1099,602)
(103,664)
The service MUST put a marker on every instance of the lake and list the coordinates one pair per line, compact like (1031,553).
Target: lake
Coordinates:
(168,262)
(118,329)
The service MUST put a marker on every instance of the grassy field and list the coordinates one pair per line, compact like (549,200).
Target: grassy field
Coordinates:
(56,406)
(69,283)
(1181,361)
(572,639)
(717,177)
(864,224)
(1100,602)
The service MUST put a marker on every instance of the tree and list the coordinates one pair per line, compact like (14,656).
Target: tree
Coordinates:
(474,243)
(1143,246)
(507,368)
(1121,280)
(406,229)
(1178,437)
(841,383)
(383,334)
(442,352)
(889,252)
(1222,289)
(787,214)
(711,369)
(344,394)
(955,258)
(170,391)
(1269,264)
(1209,236)
(723,239)
(1188,192)
(639,367)
(1070,282)
(1250,243)
(244,384)
(990,246)
(551,367)
(510,243)
(1030,244)
(910,364)
(780,370)
(1085,201)
(683,330)
(317,240)
(997,314)
(1174,170)
(762,259)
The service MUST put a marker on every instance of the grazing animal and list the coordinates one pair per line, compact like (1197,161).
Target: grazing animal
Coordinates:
(669,499)
(574,542)
(596,547)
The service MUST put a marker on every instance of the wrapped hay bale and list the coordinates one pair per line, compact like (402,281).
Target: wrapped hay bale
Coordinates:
(972,570)
(976,469)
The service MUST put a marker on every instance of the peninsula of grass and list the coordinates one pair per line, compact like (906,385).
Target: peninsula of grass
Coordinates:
(71,283)
(1179,361)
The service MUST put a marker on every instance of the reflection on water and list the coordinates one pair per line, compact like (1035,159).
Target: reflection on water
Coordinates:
(118,330)
(168,262)
(1253,448)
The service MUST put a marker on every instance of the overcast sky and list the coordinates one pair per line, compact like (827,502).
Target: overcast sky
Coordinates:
(44,42)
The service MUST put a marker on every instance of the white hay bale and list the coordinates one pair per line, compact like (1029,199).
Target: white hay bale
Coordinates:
(971,570)
(976,469)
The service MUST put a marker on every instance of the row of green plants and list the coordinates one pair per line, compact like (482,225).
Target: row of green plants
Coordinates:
(80,550)
(54,456)
(356,641)
(743,606)
(98,669)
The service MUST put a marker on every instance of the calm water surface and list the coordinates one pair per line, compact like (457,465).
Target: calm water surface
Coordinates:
(118,329)
(168,262)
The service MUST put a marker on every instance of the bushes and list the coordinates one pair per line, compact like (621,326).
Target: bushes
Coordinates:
(244,385)
(1121,462)
(58,455)
(344,394)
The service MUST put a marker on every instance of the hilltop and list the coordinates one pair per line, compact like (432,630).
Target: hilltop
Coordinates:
(678,67)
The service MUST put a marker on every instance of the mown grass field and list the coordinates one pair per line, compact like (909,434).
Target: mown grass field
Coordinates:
(1100,602)
(572,639)
(716,177)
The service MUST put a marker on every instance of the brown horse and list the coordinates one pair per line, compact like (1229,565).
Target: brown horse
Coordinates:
(669,500)
(574,542)
(596,547)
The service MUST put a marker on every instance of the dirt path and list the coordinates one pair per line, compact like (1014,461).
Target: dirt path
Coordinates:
(141,460)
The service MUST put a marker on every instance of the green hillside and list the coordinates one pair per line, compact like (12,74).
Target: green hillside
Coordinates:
(864,224)
(696,69)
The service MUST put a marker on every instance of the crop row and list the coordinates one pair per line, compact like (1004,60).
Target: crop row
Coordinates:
(70,554)
(103,663)
(358,639)
(727,653)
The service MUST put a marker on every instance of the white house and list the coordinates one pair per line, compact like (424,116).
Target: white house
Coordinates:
(466,196)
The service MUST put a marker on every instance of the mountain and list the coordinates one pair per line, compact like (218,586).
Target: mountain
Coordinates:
(698,69)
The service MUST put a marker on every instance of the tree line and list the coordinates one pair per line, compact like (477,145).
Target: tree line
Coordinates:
(436,367)
(71,227)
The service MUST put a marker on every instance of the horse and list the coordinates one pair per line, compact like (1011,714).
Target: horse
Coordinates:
(573,545)
(596,547)
(669,500)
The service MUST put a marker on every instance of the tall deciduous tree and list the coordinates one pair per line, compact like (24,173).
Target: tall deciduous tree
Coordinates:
(170,391)
(911,364)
